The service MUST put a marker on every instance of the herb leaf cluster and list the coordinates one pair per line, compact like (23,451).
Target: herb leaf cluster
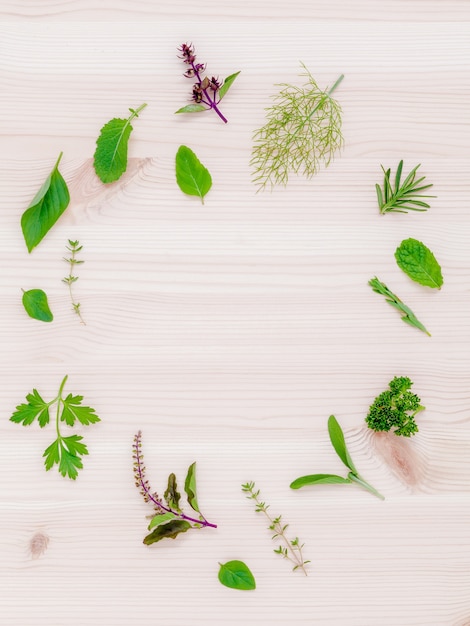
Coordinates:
(395,409)
(405,195)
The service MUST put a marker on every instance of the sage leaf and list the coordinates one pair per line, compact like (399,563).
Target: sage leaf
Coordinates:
(417,260)
(191,108)
(228,82)
(191,175)
(46,207)
(36,305)
(171,495)
(318,479)
(190,487)
(110,159)
(161,518)
(236,575)
(170,530)
(339,444)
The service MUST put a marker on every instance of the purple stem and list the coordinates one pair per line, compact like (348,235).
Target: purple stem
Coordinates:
(203,522)
(211,101)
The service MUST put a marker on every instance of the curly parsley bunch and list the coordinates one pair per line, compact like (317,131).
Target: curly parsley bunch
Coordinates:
(395,409)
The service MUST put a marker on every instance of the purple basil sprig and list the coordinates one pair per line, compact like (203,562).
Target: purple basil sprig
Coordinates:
(207,92)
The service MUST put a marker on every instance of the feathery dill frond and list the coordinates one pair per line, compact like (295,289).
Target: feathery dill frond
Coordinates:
(302,133)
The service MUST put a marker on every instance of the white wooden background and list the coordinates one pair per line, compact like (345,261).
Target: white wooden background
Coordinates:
(229,332)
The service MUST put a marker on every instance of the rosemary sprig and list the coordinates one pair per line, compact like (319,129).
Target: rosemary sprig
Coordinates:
(292,549)
(406,196)
(303,130)
(74,248)
(408,316)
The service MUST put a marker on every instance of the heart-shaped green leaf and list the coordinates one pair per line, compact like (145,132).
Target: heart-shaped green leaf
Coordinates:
(36,305)
(236,575)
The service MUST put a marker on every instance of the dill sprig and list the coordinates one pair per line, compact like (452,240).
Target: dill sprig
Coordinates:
(406,196)
(303,131)
(292,549)
(74,248)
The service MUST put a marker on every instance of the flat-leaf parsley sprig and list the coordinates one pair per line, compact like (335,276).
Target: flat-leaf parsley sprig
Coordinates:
(66,452)
(74,248)
(207,92)
(302,132)
(292,549)
(170,520)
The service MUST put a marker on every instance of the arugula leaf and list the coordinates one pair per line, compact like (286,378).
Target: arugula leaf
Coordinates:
(339,443)
(46,207)
(170,530)
(190,487)
(318,479)
(191,108)
(228,82)
(36,408)
(110,159)
(236,575)
(171,495)
(72,411)
(36,305)
(191,175)
(417,260)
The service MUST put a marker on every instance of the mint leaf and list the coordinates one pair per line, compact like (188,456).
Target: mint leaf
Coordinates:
(36,408)
(191,108)
(72,411)
(46,207)
(170,530)
(236,575)
(191,175)
(190,487)
(417,260)
(318,479)
(171,495)
(36,305)
(339,444)
(110,159)
(228,82)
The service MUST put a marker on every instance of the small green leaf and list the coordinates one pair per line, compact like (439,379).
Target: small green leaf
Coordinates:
(25,414)
(236,575)
(36,305)
(417,260)
(192,108)
(46,207)
(190,487)
(170,530)
(73,411)
(171,495)
(191,175)
(228,82)
(339,444)
(52,455)
(318,479)
(110,159)
(160,519)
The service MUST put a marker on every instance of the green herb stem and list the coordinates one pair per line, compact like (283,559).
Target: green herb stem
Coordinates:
(360,481)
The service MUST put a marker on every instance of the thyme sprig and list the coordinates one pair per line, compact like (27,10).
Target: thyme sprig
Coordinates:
(74,248)
(302,132)
(405,196)
(292,549)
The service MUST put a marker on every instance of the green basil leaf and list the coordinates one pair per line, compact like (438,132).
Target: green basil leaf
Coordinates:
(110,159)
(339,444)
(191,175)
(228,82)
(170,530)
(318,479)
(192,108)
(417,260)
(171,495)
(236,575)
(190,487)
(161,518)
(36,305)
(46,207)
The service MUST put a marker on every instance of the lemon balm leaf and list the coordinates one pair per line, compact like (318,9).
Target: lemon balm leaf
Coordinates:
(110,159)
(46,207)
(417,260)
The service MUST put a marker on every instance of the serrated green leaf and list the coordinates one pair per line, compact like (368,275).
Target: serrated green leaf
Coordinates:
(192,108)
(69,464)
(417,260)
(45,209)
(171,495)
(318,479)
(110,159)
(36,408)
(191,175)
(170,530)
(52,454)
(65,452)
(74,445)
(161,518)
(339,444)
(228,82)
(236,575)
(72,411)
(36,305)
(190,487)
